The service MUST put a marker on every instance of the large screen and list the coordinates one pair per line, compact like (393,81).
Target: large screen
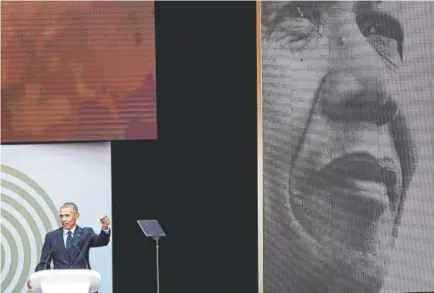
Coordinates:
(77,71)
(348,120)
(36,181)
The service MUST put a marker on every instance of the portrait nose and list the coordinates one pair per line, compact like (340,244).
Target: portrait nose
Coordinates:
(343,98)
(360,84)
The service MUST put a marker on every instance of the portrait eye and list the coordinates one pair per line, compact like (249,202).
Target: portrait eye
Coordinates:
(385,34)
(295,26)
(382,28)
(301,14)
(305,10)
(297,12)
(376,30)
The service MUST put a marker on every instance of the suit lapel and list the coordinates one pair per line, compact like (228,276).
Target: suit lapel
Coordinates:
(76,238)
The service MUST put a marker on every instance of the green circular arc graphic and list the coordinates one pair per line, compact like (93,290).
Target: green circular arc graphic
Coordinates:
(2,258)
(15,190)
(13,251)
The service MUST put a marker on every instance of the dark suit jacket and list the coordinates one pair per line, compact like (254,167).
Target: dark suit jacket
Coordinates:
(85,238)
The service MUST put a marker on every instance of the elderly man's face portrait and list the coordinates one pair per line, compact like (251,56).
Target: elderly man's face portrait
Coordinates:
(344,143)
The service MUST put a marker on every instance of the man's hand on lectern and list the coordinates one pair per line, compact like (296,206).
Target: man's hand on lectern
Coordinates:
(29,283)
(105,222)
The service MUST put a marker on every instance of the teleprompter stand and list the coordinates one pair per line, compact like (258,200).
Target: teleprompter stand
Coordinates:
(151,228)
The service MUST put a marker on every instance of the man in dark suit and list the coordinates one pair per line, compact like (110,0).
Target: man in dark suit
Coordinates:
(68,247)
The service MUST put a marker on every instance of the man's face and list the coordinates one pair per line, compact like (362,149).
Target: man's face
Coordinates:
(68,218)
(334,170)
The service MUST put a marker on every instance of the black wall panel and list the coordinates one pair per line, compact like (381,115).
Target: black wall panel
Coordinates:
(199,179)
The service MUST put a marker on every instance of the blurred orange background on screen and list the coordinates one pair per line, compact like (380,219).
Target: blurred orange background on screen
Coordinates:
(78,71)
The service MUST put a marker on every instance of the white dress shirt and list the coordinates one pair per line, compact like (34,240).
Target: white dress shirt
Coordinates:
(65,234)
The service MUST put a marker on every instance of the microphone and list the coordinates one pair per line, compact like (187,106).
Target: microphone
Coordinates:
(49,254)
(81,254)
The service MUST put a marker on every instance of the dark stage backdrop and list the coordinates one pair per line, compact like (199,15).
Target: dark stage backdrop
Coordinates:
(199,179)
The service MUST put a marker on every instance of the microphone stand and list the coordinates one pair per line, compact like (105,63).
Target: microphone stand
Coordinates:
(157,262)
(75,245)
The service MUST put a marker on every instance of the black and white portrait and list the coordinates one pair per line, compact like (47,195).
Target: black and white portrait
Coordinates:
(348,170)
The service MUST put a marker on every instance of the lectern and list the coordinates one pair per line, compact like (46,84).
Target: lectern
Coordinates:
(151,228)
(65,281)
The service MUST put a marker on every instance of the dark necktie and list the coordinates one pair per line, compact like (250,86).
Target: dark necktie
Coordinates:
(69,240)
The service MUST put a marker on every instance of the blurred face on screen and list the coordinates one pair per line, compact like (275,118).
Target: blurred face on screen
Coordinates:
(68,218)
(59,55)
(338,155)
